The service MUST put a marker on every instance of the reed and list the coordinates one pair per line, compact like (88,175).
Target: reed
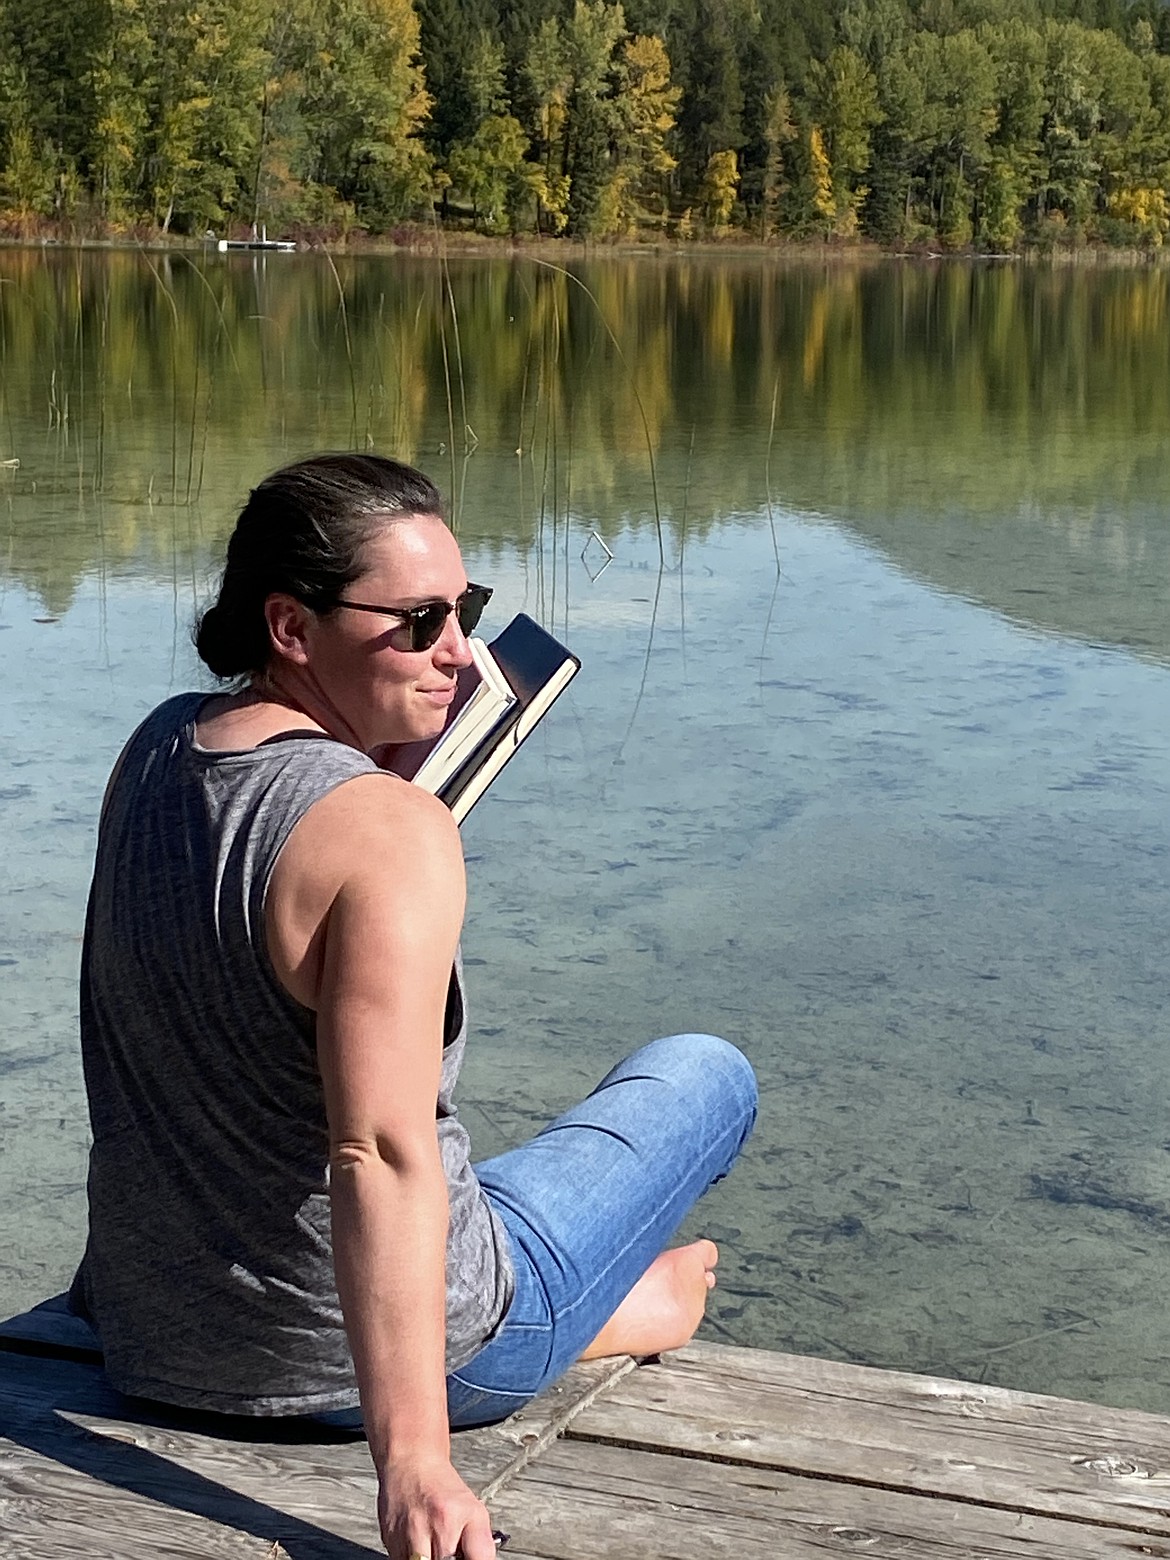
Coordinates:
(169,296)
(99,465)
(768,472)
(682,546)
(772,599)
(344,313)
(377,375)
(79,350)
(201,275)
(455,514)
(577,282)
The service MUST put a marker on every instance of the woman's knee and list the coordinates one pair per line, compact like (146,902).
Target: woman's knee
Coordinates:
(706,1069)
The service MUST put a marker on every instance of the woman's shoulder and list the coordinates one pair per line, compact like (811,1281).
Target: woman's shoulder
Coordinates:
(372,811)
(376,831)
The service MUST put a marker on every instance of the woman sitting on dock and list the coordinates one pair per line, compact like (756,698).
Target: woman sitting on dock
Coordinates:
(284,1216)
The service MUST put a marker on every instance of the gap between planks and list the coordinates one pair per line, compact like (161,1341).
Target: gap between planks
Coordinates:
(666,1416)
(532,1444)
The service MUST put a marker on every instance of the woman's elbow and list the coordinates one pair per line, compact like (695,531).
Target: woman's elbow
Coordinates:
(380,1153)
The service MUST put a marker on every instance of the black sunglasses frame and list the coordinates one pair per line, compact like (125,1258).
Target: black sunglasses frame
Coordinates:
(427,621)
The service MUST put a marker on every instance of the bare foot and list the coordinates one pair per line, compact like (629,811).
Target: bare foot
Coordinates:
(664,1307)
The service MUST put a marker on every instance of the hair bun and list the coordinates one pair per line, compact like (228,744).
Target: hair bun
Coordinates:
(213,643)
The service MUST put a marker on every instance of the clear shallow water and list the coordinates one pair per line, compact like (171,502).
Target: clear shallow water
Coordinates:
(892,815)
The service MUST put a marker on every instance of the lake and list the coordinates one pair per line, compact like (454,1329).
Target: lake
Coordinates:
(867,768)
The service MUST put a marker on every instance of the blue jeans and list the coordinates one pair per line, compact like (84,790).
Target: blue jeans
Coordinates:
(593,1199)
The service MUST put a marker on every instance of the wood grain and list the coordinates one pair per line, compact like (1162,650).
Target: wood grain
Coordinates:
(83,1469)
(584,1501)
(955,1439)
(714,1452)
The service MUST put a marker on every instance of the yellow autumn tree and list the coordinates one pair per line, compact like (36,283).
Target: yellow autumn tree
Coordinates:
(820,176)
(646,105)
(548,77)
(1144,206)
(720,184)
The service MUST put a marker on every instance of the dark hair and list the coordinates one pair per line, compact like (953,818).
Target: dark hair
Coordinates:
(302,532)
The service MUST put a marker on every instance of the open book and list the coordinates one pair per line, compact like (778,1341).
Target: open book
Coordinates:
(502,696)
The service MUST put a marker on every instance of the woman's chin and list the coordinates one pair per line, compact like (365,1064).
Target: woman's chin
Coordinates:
(411,739)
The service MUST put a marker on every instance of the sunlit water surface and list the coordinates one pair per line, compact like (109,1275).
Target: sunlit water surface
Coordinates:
(866,768)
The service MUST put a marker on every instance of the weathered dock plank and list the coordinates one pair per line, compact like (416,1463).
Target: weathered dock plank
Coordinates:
(719,1451)
(83,1470)
(584,1501)
(954,1439)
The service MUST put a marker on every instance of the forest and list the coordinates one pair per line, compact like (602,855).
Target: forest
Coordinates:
(992,125)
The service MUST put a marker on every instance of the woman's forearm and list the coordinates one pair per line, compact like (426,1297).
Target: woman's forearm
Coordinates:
(389,1249)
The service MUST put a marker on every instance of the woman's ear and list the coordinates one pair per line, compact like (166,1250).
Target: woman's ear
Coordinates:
(288,622)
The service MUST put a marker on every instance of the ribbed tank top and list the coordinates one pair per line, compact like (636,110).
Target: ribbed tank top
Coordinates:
(208,1269)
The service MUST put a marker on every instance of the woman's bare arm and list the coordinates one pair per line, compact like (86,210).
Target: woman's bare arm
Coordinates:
(379,961)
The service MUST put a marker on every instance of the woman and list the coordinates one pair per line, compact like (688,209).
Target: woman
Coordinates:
(283,1213)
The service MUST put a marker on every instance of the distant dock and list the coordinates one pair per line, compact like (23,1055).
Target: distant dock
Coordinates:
(284,246)
(714,1453)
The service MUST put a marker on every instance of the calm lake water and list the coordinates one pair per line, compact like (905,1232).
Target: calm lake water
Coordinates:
(867,767)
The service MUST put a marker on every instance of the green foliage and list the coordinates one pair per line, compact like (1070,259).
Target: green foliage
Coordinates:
(842,94)
(711,116)
(449,33)
(28,162)
(778,131)
(491,171)
(994,123)
(363,100)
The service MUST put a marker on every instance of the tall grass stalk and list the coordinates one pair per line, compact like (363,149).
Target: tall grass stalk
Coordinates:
(645,677)
(166,292)
(79,348)
(768,472)
(223,324)
(225,332)
(203,441)
(344,311)
(450,407)
(682,547)
(450,292)
(9,452)
(568,517)
(377,371)
(548,377)
(520,442)
(99,459)
(577,282)
(772,527)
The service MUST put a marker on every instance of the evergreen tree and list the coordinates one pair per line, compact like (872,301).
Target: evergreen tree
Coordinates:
(843,98)
(711,117)
(448,34)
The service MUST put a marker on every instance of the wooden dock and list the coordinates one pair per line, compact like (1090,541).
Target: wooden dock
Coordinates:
(710,1454)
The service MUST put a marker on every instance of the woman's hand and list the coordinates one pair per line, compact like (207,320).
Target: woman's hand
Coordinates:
(425,1508)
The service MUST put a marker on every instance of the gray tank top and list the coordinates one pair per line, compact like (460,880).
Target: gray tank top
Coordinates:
(208,1269)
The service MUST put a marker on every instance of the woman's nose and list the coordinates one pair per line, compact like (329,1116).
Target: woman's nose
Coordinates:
(451,647)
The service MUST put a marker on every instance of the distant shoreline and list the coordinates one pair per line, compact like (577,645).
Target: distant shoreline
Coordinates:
(427,243)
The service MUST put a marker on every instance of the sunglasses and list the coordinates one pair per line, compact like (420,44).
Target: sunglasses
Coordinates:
(426,623)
